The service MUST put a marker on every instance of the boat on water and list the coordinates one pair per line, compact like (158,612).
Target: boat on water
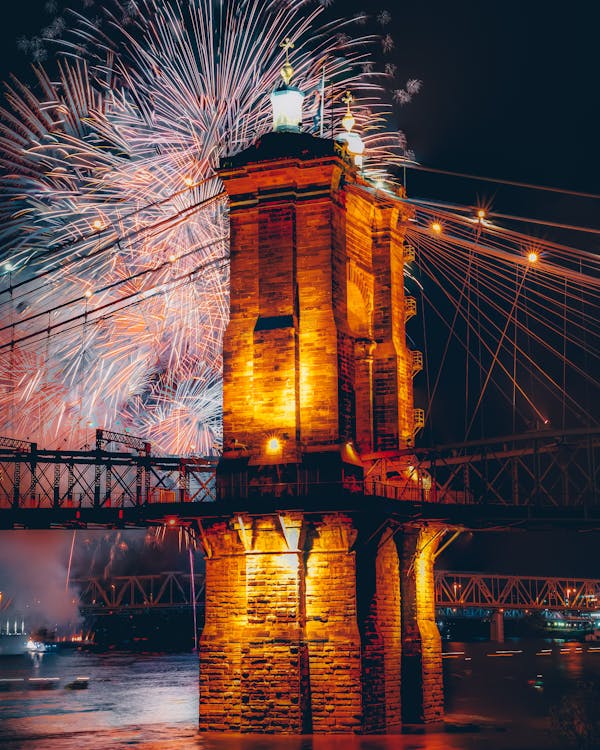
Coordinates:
(13,644)
(39,647)
(13,638)
(15,641)
(79,683)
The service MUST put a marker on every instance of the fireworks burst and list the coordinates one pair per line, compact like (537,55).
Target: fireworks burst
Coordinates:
(384,17)
(387,43)
(114,228)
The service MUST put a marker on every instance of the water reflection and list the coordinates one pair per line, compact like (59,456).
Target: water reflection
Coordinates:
(174,739)
(496,699)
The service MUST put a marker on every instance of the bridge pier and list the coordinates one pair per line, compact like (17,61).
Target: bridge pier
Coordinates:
(308,628)
(422,684)
(497,627)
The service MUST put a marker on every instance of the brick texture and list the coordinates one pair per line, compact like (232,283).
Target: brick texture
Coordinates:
(315,349)
(311,624)
(379,586)
(301,636)
(422,686)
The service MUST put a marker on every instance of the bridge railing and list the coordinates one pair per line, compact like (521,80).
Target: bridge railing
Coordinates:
(537,469)
(85,499)
(547,468)
(405,491)
(99,478)
(418,494)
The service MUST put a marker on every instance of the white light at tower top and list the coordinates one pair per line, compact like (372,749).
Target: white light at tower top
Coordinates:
(354,143)
(287,100)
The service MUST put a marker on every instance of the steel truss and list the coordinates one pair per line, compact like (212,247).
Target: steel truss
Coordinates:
(547,468)
(477,592)
(508,592)
(543,469)
(481,613)
(159,591)
(34,478)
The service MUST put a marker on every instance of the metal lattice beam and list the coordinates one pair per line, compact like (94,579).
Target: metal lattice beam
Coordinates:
(120,438)
(100,478)
(455,590)
(548,476)
(496,591)
(17,445)
(158,591)
(548,468)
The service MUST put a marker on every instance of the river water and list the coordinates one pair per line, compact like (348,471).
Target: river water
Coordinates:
(497,698)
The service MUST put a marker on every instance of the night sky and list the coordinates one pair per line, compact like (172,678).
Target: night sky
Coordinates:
(509,90)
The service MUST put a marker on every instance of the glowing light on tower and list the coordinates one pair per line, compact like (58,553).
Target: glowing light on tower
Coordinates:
(353,141)
(273,445)
(287,100)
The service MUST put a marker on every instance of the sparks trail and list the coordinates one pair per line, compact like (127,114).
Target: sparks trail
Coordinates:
(88,315)
(76,256)
(111,207)
(126,135)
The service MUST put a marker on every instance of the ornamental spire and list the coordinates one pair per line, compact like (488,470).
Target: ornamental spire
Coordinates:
(287,100)
(287,71)
(352,140)
(348,119)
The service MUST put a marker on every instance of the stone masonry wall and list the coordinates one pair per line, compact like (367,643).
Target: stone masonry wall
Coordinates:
(315,261)
(280,346)
(331,627)
(252,662)
(297,640)
(422,686)
(273,683)
(317,362)
(220,644)
(238,366)
(380,585)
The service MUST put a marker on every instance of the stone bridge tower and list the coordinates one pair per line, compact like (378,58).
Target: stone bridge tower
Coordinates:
(319,612)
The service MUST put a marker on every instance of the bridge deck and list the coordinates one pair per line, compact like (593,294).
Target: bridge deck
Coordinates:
(532,479)
(472,516)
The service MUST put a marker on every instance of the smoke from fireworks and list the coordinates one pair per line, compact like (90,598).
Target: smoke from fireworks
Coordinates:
(37,591)
(114,277)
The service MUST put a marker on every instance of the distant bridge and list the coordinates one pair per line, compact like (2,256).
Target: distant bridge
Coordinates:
(499,591)
(486,591)
(170,589)
(547,476)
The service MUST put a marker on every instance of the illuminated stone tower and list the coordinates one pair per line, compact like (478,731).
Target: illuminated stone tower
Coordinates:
(316,367)
(319,614)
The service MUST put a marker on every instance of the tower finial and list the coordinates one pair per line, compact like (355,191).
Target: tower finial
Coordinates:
(287,100)
(353,141)
(287,71)
(348,119)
